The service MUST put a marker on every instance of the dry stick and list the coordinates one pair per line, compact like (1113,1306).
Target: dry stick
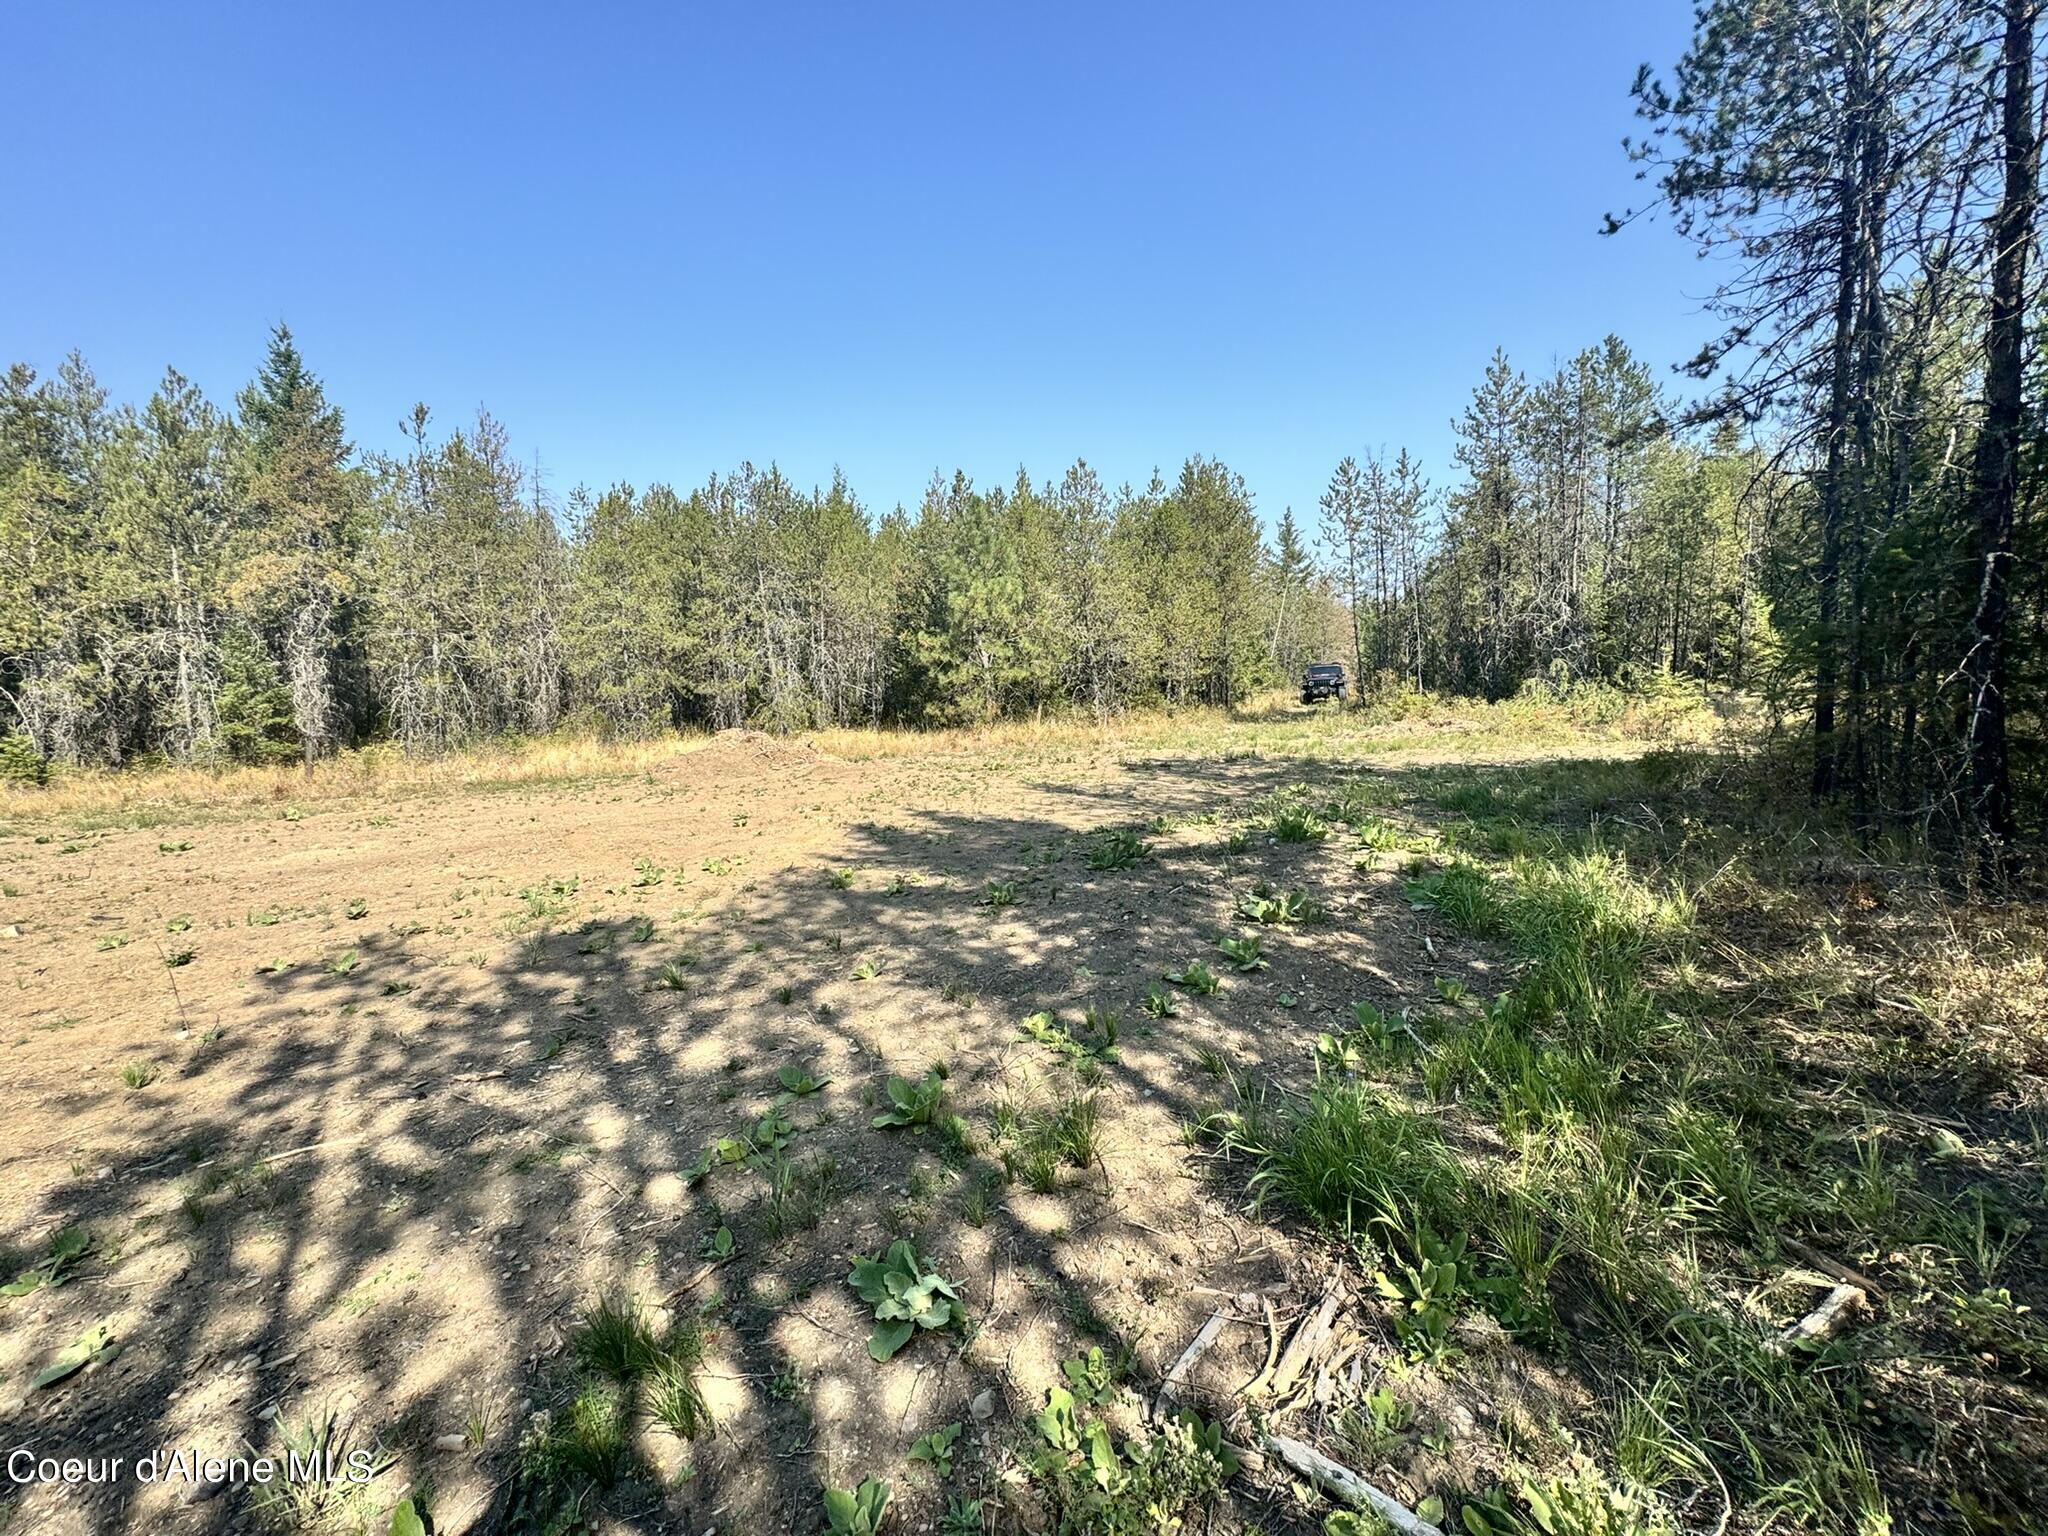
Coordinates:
(1823,1321)
(1272,1352)
(1832,1268)
(703,1273)
(318,1146)
(1343,1483)
(1195,1350)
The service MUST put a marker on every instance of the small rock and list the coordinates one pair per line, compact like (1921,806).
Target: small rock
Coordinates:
(450,1442)
(984,1406)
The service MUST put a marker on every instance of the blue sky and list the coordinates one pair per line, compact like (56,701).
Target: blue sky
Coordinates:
(657,240)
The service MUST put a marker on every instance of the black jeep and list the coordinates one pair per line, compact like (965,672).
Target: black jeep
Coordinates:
(1323,680)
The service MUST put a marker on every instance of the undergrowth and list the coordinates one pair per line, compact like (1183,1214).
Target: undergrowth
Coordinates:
(1620,1161)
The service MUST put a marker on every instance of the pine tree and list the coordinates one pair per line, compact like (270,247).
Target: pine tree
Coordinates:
(297,561)
(1344,539)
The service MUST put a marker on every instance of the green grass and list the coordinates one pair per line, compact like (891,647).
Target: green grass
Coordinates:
(1038,1135)
(1618,1129)
(800,1192)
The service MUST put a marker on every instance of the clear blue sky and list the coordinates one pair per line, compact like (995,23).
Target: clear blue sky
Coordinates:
(656,240)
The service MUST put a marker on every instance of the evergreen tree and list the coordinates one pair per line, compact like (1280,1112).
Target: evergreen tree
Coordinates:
(296,568)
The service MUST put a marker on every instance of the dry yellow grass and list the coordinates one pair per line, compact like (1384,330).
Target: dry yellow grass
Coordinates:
(378,769)
(1268,725)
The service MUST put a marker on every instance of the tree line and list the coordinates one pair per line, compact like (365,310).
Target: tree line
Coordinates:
(202,584)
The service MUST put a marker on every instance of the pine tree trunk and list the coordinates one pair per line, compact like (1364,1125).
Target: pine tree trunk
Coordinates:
(1995,470)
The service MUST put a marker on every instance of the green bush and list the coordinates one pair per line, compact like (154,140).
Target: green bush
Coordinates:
(21,763)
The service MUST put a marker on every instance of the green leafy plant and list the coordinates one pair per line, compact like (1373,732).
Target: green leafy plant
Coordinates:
(963,1517)
(840,880)
(1266,905)
(1160,1003)
(1118,848)
(138,1074)
(999,893)
(1045,1028)
(937,1448)
(94,1347)
(799,1083)
(1243,953)
(913,1104)
(1425,1289)
(774,1130)
(64,1253)
(907,1295)
(1087,1483)
(1298,824)
(646,873)
(867,970)
(1091,1378)
(1196,977)
(857,1511)
(356,910)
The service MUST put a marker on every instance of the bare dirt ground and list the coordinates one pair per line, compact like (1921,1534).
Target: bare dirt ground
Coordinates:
(362,1103)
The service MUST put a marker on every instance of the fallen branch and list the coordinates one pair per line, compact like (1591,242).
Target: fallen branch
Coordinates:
(318,1146)
(1822,1322)
(1204,1337)
(1833,1269)
(1341,1483)
(704,1272)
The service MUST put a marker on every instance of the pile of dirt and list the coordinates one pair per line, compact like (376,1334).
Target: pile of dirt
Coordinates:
(742,754)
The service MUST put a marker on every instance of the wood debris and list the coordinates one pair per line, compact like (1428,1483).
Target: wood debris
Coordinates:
(1343,1484)
(1823,1322)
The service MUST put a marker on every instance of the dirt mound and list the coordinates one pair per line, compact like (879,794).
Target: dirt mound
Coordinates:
(742,754)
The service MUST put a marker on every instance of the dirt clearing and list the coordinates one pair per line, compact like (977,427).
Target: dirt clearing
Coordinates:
(359,1107)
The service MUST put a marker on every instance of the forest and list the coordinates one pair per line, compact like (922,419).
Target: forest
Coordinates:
(200,583)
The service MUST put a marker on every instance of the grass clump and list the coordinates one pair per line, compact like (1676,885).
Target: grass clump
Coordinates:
(1038,1135)
(1349,1159)
(800,1191)
(319,1503)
